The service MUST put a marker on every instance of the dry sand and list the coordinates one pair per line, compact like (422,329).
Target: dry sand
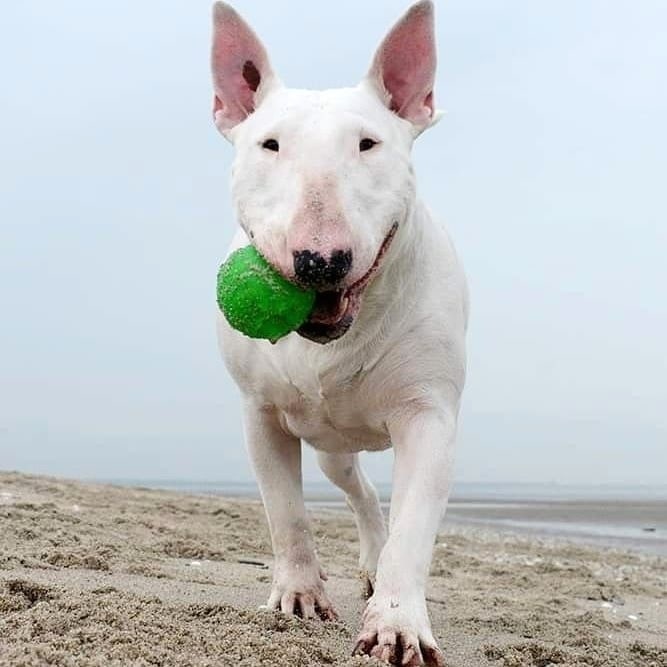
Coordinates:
(103,575)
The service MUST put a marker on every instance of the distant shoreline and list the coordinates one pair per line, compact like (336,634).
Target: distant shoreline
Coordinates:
(622,517)
(468,491)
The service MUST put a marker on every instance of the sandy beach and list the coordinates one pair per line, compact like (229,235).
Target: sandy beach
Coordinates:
(103,575)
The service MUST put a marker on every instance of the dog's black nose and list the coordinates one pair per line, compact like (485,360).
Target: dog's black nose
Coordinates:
(312,270)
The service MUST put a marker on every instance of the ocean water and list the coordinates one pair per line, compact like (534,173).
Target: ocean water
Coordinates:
(625,517)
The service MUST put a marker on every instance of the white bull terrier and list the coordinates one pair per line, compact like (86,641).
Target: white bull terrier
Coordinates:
(323,186)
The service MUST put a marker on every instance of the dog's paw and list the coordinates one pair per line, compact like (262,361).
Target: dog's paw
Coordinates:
(398,633)
(301,592)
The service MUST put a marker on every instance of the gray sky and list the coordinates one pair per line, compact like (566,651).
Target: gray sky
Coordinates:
(114,214)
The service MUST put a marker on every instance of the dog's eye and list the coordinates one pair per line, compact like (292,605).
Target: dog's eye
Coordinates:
(366,144)
(271,145)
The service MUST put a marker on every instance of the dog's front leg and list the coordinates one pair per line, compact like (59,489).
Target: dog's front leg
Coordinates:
(396,626)
(276,455)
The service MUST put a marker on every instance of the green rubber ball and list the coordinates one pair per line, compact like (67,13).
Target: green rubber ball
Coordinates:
(257,300)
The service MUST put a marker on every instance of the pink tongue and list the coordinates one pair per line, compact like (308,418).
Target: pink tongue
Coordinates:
(329,307)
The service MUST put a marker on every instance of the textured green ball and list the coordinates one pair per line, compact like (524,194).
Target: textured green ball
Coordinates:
(258,301)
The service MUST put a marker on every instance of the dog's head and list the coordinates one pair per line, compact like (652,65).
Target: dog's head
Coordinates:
(322,180)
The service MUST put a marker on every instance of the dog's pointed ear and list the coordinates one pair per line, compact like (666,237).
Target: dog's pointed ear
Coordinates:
(403,69)
(242,74)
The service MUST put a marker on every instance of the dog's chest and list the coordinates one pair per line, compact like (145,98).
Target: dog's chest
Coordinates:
(329,409)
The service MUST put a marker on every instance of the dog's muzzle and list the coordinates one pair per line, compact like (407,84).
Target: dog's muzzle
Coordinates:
(336,309)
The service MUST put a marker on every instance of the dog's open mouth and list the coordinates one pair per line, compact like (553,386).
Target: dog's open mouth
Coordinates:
(335,310)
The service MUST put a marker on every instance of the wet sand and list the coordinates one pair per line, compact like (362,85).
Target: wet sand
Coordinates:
(636,524)
(103,575)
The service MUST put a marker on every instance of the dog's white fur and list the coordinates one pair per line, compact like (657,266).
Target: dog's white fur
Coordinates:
(395,378)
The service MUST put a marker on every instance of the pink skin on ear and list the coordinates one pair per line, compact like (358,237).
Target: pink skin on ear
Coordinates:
(404,66)
(240,65)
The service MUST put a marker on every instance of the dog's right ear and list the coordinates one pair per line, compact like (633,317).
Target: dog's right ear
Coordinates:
(242,74)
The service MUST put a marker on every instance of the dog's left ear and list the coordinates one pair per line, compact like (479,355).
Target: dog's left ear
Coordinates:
(403,69)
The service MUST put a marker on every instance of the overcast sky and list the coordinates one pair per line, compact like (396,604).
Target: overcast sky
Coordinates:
(549,168)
